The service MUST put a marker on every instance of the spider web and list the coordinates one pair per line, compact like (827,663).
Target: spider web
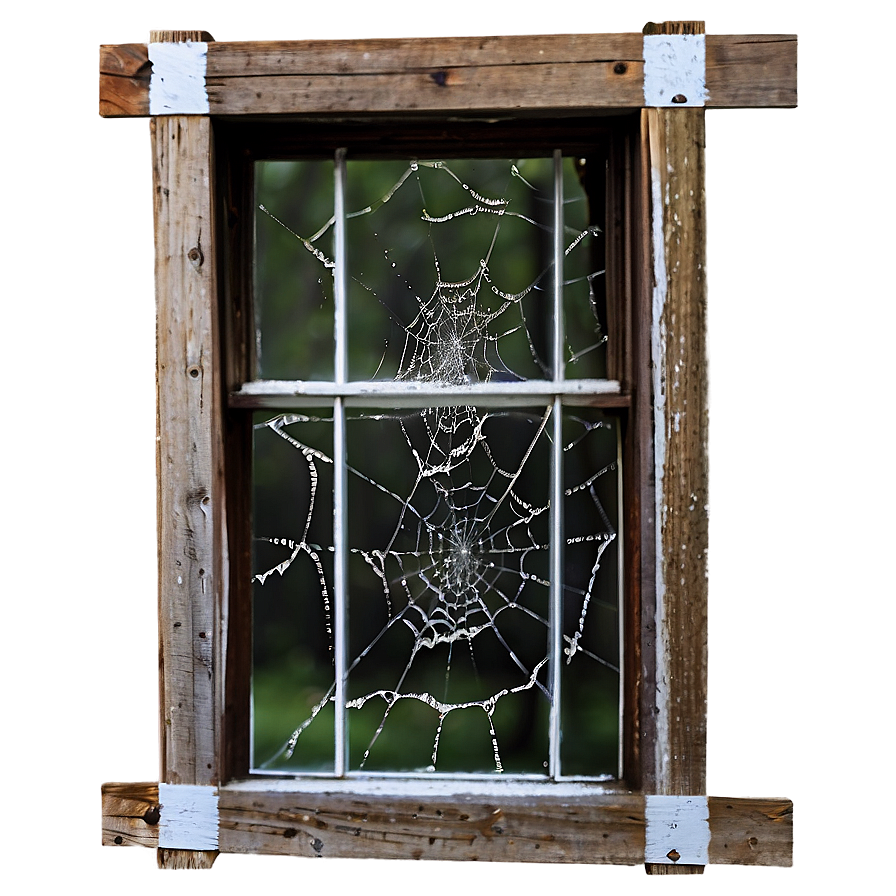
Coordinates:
(449,509)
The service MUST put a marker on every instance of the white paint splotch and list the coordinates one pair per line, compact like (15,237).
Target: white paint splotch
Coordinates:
(675,70)
(677,830)
(177,83)
(188,817)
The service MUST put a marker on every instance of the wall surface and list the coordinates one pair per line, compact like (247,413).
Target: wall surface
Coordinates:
(801,326)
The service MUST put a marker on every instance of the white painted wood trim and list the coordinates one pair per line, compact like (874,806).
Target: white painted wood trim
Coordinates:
(188,816)
(677,830)
(404,786)
(177,84)
(675,70)
(658,351)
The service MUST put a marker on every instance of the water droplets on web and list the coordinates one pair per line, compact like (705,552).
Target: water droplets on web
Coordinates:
(448,508)
(449,586)
(450,271)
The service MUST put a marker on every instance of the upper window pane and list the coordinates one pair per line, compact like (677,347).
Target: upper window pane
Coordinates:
(450,268)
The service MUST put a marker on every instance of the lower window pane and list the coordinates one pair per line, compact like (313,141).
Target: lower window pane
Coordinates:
(448,532)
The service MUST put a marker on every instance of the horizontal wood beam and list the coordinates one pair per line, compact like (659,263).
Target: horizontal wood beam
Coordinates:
(546,74)
(570,825)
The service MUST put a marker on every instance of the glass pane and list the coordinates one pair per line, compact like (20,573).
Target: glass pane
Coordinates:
(292,678)
(590,682)
(450,267)
(448,526)
(583,275)
(294,269)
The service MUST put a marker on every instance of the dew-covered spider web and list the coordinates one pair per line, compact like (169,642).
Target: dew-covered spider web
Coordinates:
(448,517)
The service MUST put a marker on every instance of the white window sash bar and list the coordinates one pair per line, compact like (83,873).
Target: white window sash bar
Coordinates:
(340,566)
(389,393)
(556,553)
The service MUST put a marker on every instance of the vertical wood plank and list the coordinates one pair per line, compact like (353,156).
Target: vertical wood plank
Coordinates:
(192,561)
(235,177)
(642,615)
(676,141)
(680,445)
(189,449)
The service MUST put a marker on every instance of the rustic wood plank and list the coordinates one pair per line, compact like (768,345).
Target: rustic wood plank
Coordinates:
(742,72)
(676,145)
(235,182)
(385,56)
(520,73)
(192,546)
(593,828)
(130,814)
(538,88)
(640,461)
(124,80)
(751,832)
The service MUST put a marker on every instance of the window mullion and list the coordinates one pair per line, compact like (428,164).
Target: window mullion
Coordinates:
(556,552)
(340,567)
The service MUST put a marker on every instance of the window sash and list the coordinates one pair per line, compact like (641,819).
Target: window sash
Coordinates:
(556,391)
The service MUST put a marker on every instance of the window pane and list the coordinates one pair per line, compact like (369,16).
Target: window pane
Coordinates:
(590,681)
(293,269)
(583,275)
(449,532)
(450,269)
(292,677)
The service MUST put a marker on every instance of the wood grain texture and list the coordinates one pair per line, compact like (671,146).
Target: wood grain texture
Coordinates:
(192,561)
(124,81)
(175,37)
(130,814)
(594,829)
(741,72)
(185,859)
(235,183)
(546,74)
(391,56)
(537,88)
(676,145)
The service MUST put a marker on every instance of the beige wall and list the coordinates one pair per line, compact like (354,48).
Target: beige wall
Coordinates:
(801,207)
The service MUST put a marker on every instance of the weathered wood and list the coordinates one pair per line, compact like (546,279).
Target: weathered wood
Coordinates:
(741,72)
(185,859)
(676,145)
(653,868)
(751,832)
(640,469)
(192,547)
(536,74)
(124,80)
(391,56)
(173,37)
(236,209)
(571,87)
(130,814)
(585,827)
(675,674)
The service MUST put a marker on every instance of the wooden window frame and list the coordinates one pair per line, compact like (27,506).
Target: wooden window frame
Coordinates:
(259,97)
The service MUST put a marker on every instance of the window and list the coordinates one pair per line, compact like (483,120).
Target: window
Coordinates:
(509,416)
(464,442)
